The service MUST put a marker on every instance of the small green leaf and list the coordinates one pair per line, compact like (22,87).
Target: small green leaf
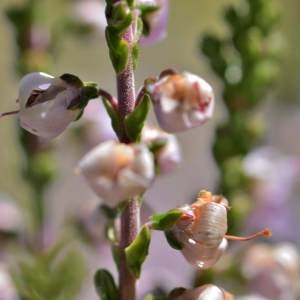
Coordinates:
(166,220)
(105,285)
(134,122)
(113,114)
(173,242)
(137,251)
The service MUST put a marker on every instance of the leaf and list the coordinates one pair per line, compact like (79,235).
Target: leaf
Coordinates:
(166,220)
(134,122)
(137,251)
(113,114)
(173,242)
(105,285)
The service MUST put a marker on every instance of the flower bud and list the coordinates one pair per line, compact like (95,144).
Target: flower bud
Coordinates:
(181,101)
(155,22)
(118,171)
(164,147)
(44,103)
(205,292)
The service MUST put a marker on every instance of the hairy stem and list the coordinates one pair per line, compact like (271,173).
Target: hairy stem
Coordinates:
(130,216)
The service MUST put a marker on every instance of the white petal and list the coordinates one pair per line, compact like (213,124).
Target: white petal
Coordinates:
(30,82)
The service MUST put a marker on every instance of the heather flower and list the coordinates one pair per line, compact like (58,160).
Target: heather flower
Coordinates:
(276,179)
(155,22)
(165,148)
(205,292)
(273,270)
(45,103)
(181,101)
(118,171)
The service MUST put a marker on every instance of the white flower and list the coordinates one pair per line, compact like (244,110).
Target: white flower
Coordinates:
(205,292)
(44,102)
(118,171)
(167,154)
(181,101)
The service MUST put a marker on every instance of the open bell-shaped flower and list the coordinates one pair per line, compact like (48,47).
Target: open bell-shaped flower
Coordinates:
(201,230)
(118,171)
(181,101)
(165,148)
(49,104)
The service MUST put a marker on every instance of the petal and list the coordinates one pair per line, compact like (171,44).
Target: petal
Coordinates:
(30,82)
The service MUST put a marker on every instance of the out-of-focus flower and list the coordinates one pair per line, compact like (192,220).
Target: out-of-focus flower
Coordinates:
(7,289)
(205,292)
(155,22)
(44,103)
(277,179)
(11,223)
(95,125)
(91,13)
(181,101)
(118,171)
(273,271)
(165,148)
(91,221)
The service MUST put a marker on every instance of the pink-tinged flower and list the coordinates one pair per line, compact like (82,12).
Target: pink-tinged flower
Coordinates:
(11,221)
(165,148)
(91,13)
(275,191)
(7,289)
(118,171)
(273,270)
(44,103)
(181,101)
(155,22)
(205,292)
(201,230)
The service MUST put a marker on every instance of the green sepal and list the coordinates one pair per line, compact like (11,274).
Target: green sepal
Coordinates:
(87,93)
(157,145)
(134,122)
(116,254)
(113,114)
(120,19)
(135,54)
(72,80)
(173,242)
(118,49)
(166,220)
(137,251)
(105,285)
(108,212)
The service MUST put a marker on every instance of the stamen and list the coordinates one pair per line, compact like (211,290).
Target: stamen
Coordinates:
(266,232)
(8,113)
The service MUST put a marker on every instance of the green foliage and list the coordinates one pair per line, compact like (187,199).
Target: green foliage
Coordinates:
(57,274)
(114,116)
(137,251)
(134,122)
(105,285)
(166,220)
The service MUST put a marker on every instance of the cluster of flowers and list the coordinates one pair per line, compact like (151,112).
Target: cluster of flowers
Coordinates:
(116,171)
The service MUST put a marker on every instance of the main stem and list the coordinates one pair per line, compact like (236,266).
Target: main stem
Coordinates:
(130,216)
